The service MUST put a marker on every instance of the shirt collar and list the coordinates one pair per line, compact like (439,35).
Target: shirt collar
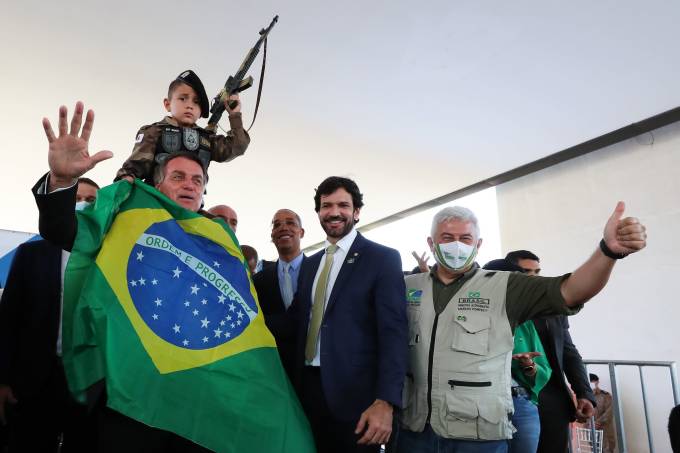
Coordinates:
(469,273)
(294,263)
(346,242)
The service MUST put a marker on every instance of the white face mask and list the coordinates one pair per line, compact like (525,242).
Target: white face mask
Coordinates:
(80,205)
(455,255)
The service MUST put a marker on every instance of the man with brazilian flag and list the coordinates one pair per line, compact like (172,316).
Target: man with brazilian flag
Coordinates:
(159,304)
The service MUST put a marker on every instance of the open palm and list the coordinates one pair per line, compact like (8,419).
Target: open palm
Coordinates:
(68,155)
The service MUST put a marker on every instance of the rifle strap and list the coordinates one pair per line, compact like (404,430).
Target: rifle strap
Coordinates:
(259,87)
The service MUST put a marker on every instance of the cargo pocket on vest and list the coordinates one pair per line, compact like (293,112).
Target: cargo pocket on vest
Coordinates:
(493,420)
(462,415)
(413,325)
(471,335)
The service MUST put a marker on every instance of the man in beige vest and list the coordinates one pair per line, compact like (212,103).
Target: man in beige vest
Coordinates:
(461,323)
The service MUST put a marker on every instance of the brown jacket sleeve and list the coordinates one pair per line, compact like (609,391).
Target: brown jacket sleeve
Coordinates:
(234,144)
(140,164)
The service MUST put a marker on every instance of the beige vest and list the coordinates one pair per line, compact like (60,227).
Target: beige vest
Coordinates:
(471,362)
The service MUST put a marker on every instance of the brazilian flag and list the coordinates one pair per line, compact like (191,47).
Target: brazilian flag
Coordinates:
(159,303)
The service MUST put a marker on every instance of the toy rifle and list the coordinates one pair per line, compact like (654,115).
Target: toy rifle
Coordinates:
(239,82)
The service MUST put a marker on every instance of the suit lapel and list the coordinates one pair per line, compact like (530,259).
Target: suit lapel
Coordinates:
(307,274)
(276,288)
(348,266)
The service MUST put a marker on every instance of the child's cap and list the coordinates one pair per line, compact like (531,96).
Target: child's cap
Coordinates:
(190,78)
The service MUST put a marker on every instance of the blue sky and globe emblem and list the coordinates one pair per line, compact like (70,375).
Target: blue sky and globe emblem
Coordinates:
(187,289)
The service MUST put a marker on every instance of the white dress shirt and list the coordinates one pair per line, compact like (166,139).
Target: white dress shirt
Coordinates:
(339,256)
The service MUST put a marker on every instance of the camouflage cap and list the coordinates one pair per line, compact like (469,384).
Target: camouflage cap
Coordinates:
(190,78)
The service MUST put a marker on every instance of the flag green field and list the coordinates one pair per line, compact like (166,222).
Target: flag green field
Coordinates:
(158,301)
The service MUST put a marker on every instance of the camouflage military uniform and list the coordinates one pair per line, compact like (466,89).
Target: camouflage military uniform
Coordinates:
(222,149)
(605,421)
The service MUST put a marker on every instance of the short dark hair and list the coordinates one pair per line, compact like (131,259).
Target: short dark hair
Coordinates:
(333,183)
(173,86)
(159,170)
(249,252)
(593,377)
(502,265)
(83,180)
(517,255)
(674,428)
(297,217)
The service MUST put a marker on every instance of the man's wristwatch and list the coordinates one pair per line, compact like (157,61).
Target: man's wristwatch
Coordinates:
(608,252)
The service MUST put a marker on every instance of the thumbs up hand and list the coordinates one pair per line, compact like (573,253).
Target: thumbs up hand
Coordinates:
(624,235)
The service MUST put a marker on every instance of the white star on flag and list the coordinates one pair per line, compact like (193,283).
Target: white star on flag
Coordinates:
(240,314)
(216,264)
(204,301)
(238,322)
(185,342)
(228,317)
(176,328)
(194,289)
(218,332)
(158,302)
(154,282)
(133,282)
(232,307)
(221,299)
(155,316)
(176,272)
(187,303)
(142,281)
(227,334)
(204,322)
(140,256)
(195,312)
(205,339)
(222,322)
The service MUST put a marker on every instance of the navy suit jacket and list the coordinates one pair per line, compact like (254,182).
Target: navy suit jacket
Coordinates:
(29,318)
(274,310)
(364,331)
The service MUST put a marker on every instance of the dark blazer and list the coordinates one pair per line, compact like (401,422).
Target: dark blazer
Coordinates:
(364,332)
(57,220)
(29,318)
(274,310)
(564,358)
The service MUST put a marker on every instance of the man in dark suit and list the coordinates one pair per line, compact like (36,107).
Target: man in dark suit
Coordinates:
(353,332)
(181,177)
(32,382)
(277,282)
(555,405)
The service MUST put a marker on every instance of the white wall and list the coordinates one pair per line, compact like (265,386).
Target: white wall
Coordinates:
(559,214)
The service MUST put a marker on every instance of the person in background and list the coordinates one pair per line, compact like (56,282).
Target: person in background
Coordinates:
(34,396)
(277,282)
(227,214)
(250,254)
(604,415)
(530,372)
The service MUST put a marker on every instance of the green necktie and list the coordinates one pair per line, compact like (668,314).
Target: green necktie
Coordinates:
(319,303)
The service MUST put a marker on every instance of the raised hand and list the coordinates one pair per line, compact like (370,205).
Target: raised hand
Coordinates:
(422,261)
(624,236)
(68,155)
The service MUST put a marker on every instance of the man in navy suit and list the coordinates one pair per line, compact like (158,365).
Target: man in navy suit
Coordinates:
(277,282)
(32,382)
(352,331)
